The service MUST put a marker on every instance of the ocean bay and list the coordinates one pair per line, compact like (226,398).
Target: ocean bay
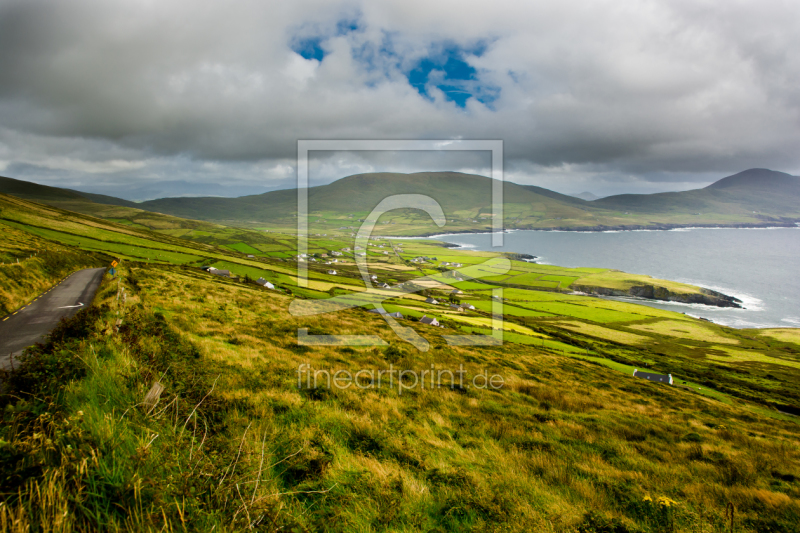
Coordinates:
(757,266)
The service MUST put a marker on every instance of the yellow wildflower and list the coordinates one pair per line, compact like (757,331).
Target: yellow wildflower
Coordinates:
(666,502)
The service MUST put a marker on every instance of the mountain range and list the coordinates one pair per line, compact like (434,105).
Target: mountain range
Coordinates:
(755,197)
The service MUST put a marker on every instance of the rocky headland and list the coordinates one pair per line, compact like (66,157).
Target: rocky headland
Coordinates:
(652,292)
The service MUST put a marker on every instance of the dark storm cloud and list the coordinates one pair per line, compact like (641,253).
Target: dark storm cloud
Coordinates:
(641,95)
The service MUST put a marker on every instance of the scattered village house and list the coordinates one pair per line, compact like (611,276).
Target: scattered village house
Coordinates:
(393,315)
(429,321)
(332,272)
(431,301)
(265,283)
(660,378)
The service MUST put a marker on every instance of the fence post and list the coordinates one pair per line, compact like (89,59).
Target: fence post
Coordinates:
(729,510)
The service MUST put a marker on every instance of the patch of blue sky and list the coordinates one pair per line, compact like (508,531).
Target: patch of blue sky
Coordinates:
(345,26)
(447,68)
(310,44)
(310,48)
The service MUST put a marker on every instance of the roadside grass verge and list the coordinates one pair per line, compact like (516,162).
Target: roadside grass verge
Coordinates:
(31,265)
(107,430)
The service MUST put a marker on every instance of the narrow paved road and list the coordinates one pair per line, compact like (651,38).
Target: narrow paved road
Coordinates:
(33,323)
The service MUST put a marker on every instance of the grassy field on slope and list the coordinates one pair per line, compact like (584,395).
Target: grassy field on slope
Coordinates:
(231,442)
(570,443)
(569,323)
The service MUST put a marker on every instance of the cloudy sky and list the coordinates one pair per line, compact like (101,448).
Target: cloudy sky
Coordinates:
(141,99)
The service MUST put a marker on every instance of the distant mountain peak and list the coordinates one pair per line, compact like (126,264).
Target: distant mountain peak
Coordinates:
(586,195)
(757,178)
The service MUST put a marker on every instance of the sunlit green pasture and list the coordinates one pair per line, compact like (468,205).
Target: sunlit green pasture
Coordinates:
(511,310)
(581,311)
(243,248)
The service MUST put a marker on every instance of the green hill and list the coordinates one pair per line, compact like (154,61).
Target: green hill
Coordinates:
(127,213)
(753,197)
(759,180)
(755,191)
(465,198)
(750,198)
(53,195)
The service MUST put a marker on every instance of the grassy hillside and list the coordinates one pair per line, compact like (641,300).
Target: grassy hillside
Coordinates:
(538,307)
(34,191)
(231,442)
(465,199)
(30,265)
(228,441)
(760,192)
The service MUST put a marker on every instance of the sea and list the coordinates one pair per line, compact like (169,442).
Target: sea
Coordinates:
(761,266)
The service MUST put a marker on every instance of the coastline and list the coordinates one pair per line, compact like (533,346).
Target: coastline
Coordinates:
(605,229)
(726,294)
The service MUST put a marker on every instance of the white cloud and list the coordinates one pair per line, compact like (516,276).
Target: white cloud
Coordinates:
(91,167)
(299,71)
(663,92)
